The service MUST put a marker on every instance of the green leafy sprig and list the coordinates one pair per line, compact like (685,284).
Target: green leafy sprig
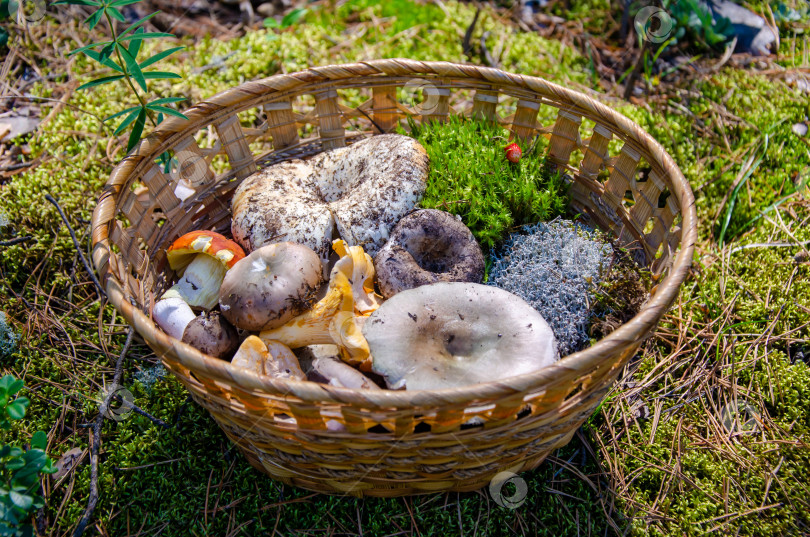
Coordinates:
(19,470)
(120,54)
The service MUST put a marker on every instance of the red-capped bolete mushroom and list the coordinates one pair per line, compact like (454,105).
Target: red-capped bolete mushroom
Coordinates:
(273,360)
(447,335)
(338,317)
(211,334)
(428,246)
(357,192)
(201,258)
(270,286)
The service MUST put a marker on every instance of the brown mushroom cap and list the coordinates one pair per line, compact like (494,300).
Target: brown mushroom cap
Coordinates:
(358,192)
(211,334)
(448,335)
(428,246)
(270,286)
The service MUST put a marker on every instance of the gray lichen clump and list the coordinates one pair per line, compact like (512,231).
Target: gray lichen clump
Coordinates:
(8,337)
(554,266)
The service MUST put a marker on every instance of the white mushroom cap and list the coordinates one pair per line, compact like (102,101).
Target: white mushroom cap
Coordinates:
(358,192)
(447,335)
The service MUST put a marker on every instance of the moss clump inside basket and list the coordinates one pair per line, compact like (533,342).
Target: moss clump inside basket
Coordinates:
(470,177)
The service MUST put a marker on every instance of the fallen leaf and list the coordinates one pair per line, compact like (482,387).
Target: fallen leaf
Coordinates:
(69,460)
(17,124)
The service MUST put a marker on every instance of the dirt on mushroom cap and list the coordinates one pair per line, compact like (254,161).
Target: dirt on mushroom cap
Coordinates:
(270,286)
(359,191)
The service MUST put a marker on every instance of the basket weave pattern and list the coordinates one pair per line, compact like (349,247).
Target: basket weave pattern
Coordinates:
(391,443)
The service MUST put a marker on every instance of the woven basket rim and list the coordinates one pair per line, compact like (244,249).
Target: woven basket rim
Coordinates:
(578,363)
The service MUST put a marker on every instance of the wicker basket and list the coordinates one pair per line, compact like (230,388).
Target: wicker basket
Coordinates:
(395,442)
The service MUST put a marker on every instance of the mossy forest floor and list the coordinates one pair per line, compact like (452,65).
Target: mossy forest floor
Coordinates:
(706,431)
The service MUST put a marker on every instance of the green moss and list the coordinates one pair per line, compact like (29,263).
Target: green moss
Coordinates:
(470,176)
(688,484)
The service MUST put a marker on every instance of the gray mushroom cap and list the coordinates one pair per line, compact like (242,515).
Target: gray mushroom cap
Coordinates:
(211,334)
(452,334)
(270,286)
(357,192)
(428,246)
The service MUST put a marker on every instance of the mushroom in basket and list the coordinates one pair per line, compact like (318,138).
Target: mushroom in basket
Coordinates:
(357,193)
(273,359)
(201,258)
(270,286)
(452,334)
(337,318)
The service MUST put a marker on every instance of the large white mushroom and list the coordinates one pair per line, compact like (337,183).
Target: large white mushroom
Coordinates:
(356,193)
(453,334)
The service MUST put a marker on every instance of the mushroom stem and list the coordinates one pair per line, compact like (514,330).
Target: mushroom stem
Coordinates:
(330,369)
(199,285)
(172,314)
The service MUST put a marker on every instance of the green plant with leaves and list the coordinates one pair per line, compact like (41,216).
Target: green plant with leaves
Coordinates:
(120,54)
(290,19)
(694,26)
(20,470)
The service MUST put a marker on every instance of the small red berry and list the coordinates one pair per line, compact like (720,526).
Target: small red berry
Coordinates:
(513,152)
